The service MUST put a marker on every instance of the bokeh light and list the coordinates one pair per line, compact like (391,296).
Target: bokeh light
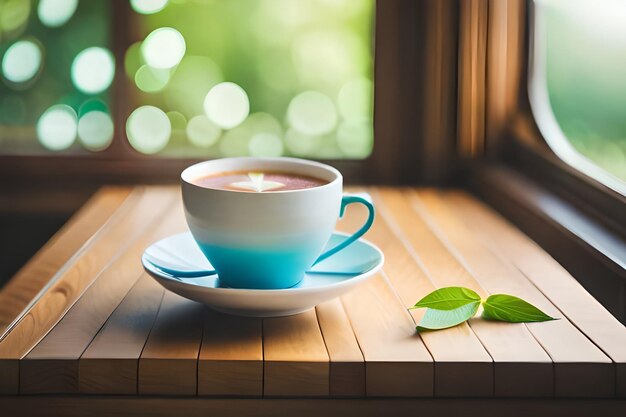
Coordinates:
(151,80)
(227,105)
(148,6)
(354,138)
(55,13)
(93,104)
(235,142)
(57,127)
(329,56)
(275,77)
(14,15)
(93,70)
(22,61)
(285,15)
(347,8)
(95,130)
(133,59)
(148,129)
(189,84)
(203,132)
(47,82)
(299,76)
(355,98)
(312,113)
(301,144)
(262,122)
(163,48)
(265,144)
(179,125)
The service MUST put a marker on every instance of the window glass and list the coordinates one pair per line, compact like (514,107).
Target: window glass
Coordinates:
(198,78)
(56,74)
(578,83)
(252,77)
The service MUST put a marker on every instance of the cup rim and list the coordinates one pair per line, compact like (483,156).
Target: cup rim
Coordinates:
(184,175)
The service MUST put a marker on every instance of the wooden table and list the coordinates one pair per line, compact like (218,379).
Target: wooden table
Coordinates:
(102,337)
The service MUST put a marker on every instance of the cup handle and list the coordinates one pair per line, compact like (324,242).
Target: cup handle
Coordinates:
(364,199)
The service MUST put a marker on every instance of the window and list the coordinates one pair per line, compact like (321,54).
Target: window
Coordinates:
(57,69)
(196,79)
(577,85)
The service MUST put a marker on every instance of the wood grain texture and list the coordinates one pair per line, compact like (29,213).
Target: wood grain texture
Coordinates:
(560,339)
(588,240)
(472,76)
(433,157)
(64,291)
(231,357)
(347,366)
(128,406)
(113,330)
(169,361)
(110,363)
(550,278)
(65,343)
(505,61)
(296,360)
(446,268)
(452,349)
(70,240)
(397,364)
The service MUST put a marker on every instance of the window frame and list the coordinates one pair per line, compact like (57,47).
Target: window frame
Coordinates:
(543,114)
(527,149)
(579,220)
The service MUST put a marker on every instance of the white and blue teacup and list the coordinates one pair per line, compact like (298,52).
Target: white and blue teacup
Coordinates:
(266,240)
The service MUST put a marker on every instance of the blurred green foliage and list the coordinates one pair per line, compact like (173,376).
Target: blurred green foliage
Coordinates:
(586,73)
(299,77)
(275,50)
(21,105)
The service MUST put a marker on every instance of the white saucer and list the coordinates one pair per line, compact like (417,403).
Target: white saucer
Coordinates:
(314,289)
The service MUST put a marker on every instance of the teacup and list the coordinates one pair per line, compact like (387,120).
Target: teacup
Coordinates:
(266,239)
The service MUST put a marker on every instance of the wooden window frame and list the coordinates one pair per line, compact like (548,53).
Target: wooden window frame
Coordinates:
(523,148)
(578,220)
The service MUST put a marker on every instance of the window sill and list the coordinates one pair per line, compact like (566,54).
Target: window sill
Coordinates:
(588,247)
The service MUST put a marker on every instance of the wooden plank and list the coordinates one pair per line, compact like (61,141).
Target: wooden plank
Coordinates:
(445,269)
(347,366)
(582,242)
(71,239)
(561,340)
(169,361)
(462,365)
(549,277)
(52,365)
(397,364)
(296,360)
(127,406)
(472,76)
(71,282)
(231,358)
(110,363)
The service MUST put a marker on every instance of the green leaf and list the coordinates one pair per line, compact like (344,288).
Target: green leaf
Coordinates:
(448,298)
(505,307)
(442,319)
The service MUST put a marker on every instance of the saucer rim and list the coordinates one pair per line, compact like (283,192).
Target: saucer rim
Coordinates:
(349,280)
